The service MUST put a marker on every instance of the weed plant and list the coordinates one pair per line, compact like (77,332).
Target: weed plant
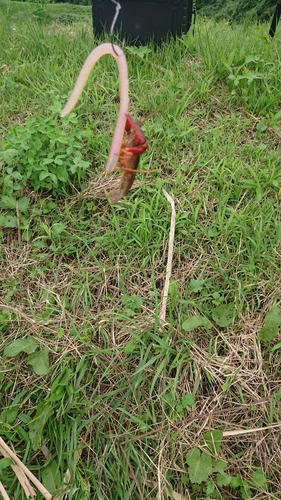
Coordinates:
(191,407)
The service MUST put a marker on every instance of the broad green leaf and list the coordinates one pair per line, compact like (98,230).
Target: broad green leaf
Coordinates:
(8,201)
(36,426)
(199,465)
(210,488)
(27,345)
(51,477)
(271,324)
(10,221)
(9,155)
(129,312)
(9,415)
(277,115)
(23,417)
(194,321)
(4,318)
(274,348)
(196,286)
(132,302)
(236,481)
(260,193)
(261,126)
(212,440)
(48,160)
(37,144)
(258,479)
(62,174)
(43,175)
(58,228)
(53,178)
(131,347)
(22,433)
(187,400)
(23,203)
(5,462)
(246,492)
(139,51)
(39,360)
(16,175)
(73,168)
(58,161)
(27,234)
(212,232)
(63,139)
(219,466)
(224,315)
(223,479)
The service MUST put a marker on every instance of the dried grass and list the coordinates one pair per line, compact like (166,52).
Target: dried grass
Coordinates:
(232,380)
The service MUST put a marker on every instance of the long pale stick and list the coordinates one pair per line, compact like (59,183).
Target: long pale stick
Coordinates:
(162,315)
(6,451)
(28,490)
(3,492)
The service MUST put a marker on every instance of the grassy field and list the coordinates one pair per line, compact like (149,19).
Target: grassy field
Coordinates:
(188,407)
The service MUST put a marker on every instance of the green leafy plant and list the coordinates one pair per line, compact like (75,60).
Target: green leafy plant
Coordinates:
(92,275)
(207,469)
(244,74)
(179,404)
(37,357)
(4,320)
(60,388)
(200,465)
(51,476)
(5,462)
(187,402)
(272,324)
(132,304)
(194,322)
(40,12)
(44,155)
(141,52)
(224,314)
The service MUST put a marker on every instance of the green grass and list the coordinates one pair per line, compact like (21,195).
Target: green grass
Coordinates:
(248,12)
(44,12)
(82,282)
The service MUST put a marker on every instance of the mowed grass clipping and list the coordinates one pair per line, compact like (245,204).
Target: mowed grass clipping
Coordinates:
(190,407)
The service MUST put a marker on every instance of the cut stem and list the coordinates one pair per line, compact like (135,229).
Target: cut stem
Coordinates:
(162,315)
(8,453)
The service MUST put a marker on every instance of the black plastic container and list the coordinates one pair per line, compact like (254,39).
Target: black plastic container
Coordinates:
(142,20)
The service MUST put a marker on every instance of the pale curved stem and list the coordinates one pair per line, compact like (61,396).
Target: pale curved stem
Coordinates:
(119,56)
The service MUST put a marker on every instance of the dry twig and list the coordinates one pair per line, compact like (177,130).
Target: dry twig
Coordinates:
(162,315)
(3,492)
(8,453)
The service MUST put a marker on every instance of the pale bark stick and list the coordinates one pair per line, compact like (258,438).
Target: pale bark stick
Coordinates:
(162,315)
(3,492)
(25,484)
(10,454)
